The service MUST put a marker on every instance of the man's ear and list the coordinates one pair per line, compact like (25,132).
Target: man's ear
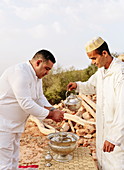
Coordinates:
(104,53)
(38,62)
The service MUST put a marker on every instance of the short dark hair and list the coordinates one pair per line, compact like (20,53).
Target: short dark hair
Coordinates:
(47,55)
(103,47)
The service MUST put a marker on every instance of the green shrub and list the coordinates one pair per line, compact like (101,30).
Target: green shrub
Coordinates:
(55,84)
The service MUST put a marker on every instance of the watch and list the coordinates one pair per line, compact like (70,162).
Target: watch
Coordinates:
(53,108)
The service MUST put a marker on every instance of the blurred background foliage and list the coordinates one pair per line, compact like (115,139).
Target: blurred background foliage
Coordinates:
(55,83)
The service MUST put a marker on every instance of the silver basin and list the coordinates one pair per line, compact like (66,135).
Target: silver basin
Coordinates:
(63,143)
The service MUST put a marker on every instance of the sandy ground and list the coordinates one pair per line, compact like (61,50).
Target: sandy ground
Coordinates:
(32,144)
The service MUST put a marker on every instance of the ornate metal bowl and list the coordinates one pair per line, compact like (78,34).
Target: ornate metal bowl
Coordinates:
(63,143)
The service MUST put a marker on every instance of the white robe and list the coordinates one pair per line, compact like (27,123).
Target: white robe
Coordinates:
(21,94)
(109,87)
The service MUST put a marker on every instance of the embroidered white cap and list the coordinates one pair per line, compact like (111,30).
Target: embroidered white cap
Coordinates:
(94,44)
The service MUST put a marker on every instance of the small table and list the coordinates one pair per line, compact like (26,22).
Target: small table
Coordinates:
(82,160)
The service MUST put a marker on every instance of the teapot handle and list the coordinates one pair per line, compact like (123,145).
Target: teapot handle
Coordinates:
(66,94)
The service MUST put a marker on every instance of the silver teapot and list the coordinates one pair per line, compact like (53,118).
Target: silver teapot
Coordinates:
(73,102)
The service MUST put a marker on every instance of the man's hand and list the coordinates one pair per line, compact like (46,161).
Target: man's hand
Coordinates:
(71,86)
(56,115)
(108,147)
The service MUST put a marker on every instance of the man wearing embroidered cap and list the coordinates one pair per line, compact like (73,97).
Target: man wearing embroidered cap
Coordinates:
(108,84)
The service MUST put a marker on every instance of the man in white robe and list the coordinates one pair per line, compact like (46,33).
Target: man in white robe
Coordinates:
(108,84)
(21,95)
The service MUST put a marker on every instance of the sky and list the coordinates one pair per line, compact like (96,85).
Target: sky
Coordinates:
(60,26)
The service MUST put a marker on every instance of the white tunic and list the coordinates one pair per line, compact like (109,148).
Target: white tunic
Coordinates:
(109,87)
(21,94)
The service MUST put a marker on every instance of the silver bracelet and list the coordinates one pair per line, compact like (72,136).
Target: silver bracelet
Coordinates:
(53,108)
